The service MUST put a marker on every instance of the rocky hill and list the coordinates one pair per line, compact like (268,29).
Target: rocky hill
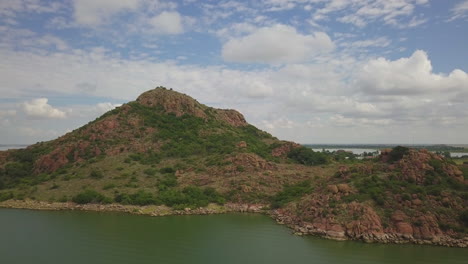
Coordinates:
(403,195)
(166,150)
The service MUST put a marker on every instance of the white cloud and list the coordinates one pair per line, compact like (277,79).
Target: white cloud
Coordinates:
(167,23)
(276,44)
(407,76)
(377,42)
(460,10)
(39,108)
(11,7)
(32,132)
(7,113)
(305,102)
(414,22)
(236,30)
(104,107)
(92,12)
(360,13)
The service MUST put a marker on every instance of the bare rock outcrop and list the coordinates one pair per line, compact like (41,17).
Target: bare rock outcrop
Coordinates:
(230,116)
(251,161)
(284,149)
(172,102)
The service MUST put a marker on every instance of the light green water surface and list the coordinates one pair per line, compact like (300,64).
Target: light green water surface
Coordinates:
(86,237)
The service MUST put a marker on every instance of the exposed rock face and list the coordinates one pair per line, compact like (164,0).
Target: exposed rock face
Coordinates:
(415,165)
(251,161)
(342,188)
(231,117)
(332,188)
(180,104)
(172,102)
(242,144)
(52,161)
(284,149)
(367,225)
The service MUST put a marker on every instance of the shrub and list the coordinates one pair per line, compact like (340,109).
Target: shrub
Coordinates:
(397,153)
(406,197)
(167,170)
(290,193)
(18,169)
(150,172)
(191,197)
(96,174)
(464,218)
(465,172)
(139,198)
(90,196)
(307,156)
(109,186)
(167,182)
(63,199)
(6,196)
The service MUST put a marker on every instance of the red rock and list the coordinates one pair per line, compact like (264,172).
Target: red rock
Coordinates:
(404,228)
(344,188)
(242,144)
(332,188)
(398,216)
(416,202)
(284,149)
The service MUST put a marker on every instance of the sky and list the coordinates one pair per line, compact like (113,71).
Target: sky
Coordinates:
(310,71)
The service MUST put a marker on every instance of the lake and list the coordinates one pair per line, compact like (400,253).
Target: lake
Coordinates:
(7,147)
(357,151)
(28,236)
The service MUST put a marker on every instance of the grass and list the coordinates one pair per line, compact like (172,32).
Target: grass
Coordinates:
(291,193)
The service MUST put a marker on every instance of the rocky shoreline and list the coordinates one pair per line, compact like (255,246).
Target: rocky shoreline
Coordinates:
(299,227)
(337,232)
(151,210)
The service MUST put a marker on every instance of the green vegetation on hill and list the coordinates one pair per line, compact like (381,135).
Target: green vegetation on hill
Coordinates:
(291,193)
(189,135)
(307,156)
(397,153)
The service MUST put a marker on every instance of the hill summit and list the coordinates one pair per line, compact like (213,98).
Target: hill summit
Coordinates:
(163,122)
(181,104)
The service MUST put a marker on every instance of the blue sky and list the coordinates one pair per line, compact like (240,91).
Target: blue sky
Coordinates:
(312,71)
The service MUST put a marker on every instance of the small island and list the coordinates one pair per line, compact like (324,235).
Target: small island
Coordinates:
(167,154)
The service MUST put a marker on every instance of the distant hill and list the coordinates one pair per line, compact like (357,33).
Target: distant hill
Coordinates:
(166,149)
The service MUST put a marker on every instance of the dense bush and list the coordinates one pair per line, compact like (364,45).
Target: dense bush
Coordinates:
(166,182)
(150,172)
(397,153)
(464,217)
(90,196)
(166,170)
(307,156)
(138,198)
(465,172)
(188,135)
(290,193)
(96,174)
(191,197)
(18,169)
(6,196)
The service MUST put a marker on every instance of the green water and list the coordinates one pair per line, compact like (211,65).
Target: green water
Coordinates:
(85,237)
